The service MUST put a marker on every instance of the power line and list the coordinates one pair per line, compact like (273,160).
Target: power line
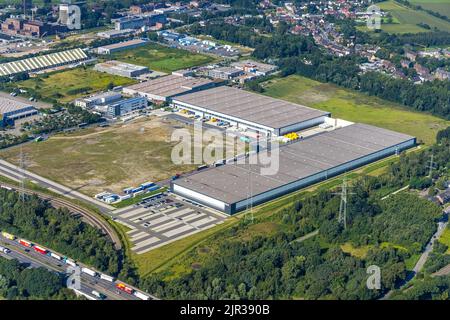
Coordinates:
(342,219)
(431,166)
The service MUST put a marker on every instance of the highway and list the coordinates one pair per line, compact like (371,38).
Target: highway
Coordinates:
(88,283)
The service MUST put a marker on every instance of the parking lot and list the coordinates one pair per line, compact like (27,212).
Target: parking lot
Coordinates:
(163,218)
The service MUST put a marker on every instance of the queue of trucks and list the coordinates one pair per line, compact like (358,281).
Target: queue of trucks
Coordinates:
(120,286)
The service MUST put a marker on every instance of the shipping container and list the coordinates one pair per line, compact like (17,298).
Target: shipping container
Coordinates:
(128,190)
(147,185)
(25,243)
(99,295)
(124,288)
(55,256)
(8,236)
(106,277)
(40,250)
(141,295)
(136,190)
(90,272)
(4,250)
(154,188)
(70,262)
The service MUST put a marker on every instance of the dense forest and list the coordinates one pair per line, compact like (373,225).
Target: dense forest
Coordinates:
(38,221)
(241,263)
(20,283)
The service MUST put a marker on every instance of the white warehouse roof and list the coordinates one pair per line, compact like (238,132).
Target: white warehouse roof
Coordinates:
(42,62)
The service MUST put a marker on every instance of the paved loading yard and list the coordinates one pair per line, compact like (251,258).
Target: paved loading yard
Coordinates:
(162,219)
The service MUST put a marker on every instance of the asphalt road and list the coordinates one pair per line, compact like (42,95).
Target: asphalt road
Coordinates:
(88,283)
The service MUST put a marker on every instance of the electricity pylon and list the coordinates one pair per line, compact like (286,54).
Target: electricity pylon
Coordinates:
(344,201)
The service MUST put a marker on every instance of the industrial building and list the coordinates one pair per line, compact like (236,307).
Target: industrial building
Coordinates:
(125,45)
(98,99)
(164,88)
(225,73)
(253,67)
(234,187)
(43,62)
(112,34)
(121,69)
(125,106)
(11,110)
(252,111)
(140,21)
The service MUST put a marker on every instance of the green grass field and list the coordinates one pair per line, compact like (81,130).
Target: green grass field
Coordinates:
(355,106)
(68,85)
(408,18)
(445,239)
(161,58)
(440,6)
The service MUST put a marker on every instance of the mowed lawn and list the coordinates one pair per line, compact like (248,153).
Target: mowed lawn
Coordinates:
(161,58)
(355,106)
(68,85)
(98,159)
(406,19)
(439,6)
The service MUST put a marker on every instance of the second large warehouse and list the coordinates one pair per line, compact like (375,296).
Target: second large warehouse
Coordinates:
(227,188)
(251,111)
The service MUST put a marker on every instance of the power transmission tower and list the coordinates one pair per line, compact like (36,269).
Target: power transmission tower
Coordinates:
(22,164)
(344,201)
(249,212)
(431,165)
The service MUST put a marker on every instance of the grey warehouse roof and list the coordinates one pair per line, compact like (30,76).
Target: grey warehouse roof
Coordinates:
(9,105)
(256,108)
(170,85)
(229,183)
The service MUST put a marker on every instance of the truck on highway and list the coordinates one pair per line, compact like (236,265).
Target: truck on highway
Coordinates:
(141,295)
(70,262)
(124,288)
(25,243)
(55,256)
(40,250)
(99,295)
(8,236)
(106,277)
(90,272)
(4,250)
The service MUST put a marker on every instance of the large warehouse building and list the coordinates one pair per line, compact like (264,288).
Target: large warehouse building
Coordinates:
(125,45)
(317,158)
(164,88)
(251,111)
(43,62)
(11,110)
(122,69)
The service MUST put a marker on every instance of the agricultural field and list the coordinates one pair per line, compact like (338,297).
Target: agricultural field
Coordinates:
(98,159)
(439,6)
(68,85)
(354,106)
(161,58)
(406,20)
